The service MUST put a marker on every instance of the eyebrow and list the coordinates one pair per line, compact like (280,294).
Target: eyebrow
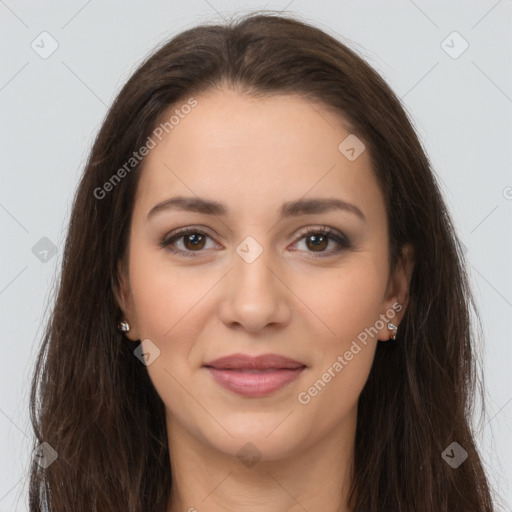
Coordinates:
(288,209)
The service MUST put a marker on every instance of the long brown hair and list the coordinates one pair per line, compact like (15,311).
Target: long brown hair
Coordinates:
(93,402)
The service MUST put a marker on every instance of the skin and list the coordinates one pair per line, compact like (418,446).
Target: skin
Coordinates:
(253,155)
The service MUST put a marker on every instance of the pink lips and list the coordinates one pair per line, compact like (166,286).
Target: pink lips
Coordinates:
(254,376)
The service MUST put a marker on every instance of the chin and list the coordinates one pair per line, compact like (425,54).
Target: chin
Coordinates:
(258,439)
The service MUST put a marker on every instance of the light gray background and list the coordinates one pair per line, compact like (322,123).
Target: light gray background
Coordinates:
(51,109)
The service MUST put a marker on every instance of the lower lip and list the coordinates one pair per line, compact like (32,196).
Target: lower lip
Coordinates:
(254,383)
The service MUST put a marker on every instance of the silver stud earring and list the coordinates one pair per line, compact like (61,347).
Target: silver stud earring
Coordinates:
(124,327)
(394,328)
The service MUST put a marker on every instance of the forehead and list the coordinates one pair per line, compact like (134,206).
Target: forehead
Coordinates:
(255,154)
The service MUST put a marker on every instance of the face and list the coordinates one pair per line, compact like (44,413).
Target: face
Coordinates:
(268,271)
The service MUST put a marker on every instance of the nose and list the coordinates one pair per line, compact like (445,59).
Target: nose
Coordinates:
(255,295)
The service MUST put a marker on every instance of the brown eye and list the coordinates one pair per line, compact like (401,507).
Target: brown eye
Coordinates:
(317,242)
(194,241)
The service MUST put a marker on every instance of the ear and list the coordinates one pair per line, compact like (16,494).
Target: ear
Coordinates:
(124,298)
(397,294)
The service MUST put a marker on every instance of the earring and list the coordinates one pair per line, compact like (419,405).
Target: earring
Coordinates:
(394,328)
(123,327)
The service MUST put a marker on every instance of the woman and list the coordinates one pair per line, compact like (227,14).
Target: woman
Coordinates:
(263,302)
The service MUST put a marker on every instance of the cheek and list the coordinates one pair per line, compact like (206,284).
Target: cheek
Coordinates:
(348,302)
(345,301)
(168,311)
(345,342)
(165,295)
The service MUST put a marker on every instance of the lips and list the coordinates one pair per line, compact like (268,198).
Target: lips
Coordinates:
(254,376)
(263,362)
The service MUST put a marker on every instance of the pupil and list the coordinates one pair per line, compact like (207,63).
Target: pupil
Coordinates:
(317,242)
(194,239)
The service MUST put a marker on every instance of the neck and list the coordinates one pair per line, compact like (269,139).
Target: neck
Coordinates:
(207,479)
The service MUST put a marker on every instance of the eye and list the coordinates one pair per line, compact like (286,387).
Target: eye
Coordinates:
(193,241)
(316,241)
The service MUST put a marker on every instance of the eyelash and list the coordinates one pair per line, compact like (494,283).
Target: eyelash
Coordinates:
(332,234)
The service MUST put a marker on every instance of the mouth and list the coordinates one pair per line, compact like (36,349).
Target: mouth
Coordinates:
(262,362)
(254,376)
(251,370)
(254,383)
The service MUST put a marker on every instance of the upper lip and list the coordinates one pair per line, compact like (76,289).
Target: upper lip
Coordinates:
(263,362)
